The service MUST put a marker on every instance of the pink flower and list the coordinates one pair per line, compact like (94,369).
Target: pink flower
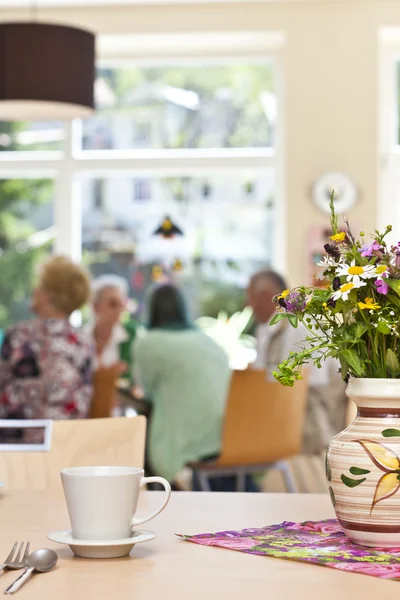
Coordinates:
(296,526)
(330,526)
(382,286)
(369,249)
(232,543)
(374,569)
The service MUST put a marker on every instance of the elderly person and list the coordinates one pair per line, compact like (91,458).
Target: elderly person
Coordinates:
(113,331)
(327,404)
(45,363)
(185,376)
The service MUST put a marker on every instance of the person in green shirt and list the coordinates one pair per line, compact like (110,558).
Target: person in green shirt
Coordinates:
(185,376)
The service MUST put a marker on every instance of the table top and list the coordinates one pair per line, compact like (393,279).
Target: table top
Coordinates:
(171,568)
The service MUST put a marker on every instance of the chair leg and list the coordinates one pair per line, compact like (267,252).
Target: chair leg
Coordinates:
(241,481)
(288,478)
(204,481)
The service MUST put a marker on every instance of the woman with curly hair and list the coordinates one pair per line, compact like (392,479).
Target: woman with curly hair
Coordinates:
(45,363)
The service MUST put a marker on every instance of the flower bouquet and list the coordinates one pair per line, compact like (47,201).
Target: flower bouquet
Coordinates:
(356,320)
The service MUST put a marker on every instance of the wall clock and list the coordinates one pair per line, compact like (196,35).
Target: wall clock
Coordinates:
(345,192)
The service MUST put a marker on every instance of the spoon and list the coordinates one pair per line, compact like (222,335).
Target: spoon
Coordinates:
(41,561)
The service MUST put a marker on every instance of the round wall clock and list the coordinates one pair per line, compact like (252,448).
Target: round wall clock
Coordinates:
(345,192)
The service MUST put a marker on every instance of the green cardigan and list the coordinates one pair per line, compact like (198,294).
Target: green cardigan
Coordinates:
(185,374)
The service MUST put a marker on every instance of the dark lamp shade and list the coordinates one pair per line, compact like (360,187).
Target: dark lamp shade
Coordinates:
(46,72)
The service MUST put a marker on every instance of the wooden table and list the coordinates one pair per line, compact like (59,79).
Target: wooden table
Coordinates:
(170,568)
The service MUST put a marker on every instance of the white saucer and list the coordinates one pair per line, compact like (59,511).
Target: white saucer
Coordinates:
(99,548)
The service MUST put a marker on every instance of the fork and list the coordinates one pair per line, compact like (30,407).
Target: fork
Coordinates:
(16,559)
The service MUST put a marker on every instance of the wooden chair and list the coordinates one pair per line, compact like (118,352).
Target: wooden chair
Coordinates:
(263,427)
(104,392)
(86,442)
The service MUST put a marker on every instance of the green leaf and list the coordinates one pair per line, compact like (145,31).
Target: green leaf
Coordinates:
(332,495)
(351,482)
(394,298)
(394,284)
(391,433)
(351,357)
(360,329)
(328,468)
(344,368)
(358,471)
(278,317)
(383,328)
(293,320)
(392,363)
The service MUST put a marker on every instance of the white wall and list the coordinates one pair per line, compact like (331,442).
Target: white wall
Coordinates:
(330,84)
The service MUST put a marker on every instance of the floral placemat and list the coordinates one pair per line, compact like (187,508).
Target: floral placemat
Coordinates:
(317,542)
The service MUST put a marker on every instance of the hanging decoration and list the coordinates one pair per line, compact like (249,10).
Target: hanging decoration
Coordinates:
(168,229)
(157,273)
(177,265)
(47,72)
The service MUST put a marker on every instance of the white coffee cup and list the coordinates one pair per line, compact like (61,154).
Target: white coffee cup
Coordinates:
(102,501)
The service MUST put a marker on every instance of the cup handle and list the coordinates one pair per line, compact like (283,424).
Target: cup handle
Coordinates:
(167,496)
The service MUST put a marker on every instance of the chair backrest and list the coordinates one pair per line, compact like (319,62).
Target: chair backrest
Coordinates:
(263,420)
(104,393)
(87,442)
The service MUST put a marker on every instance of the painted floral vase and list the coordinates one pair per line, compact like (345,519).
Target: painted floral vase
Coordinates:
(363,465)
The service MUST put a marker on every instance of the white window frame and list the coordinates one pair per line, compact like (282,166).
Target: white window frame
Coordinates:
(388,120)
(69,167)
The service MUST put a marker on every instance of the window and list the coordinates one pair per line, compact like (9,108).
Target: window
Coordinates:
(389,201)
(142,190)
(29,137)
(26,238)
(224,240)
(222,106)
(196,143)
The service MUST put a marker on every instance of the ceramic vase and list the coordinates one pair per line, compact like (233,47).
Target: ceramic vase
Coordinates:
(363,465)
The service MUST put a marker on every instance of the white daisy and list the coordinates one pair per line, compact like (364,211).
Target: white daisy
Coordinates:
(344,290)
(330,261)
(356,273)
(320,275)
(327,261)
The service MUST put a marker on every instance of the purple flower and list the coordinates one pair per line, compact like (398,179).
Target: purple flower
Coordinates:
(397,259)
(295,302)
(368,249)
(382,286)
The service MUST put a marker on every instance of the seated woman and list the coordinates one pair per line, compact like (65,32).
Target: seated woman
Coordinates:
(113,332)
(45,363)
(186,375)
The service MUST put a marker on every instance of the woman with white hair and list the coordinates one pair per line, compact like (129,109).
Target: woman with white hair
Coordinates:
(113,335)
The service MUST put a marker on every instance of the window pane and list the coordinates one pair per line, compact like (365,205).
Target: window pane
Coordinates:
(26,234)
(28,137)
(227,222)
(230,106)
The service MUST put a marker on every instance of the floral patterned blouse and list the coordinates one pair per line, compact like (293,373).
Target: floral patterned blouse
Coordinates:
(45,371)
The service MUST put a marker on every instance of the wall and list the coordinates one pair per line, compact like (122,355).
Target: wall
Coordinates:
(330,85)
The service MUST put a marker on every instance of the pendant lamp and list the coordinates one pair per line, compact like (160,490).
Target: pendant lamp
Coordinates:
(47,72)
